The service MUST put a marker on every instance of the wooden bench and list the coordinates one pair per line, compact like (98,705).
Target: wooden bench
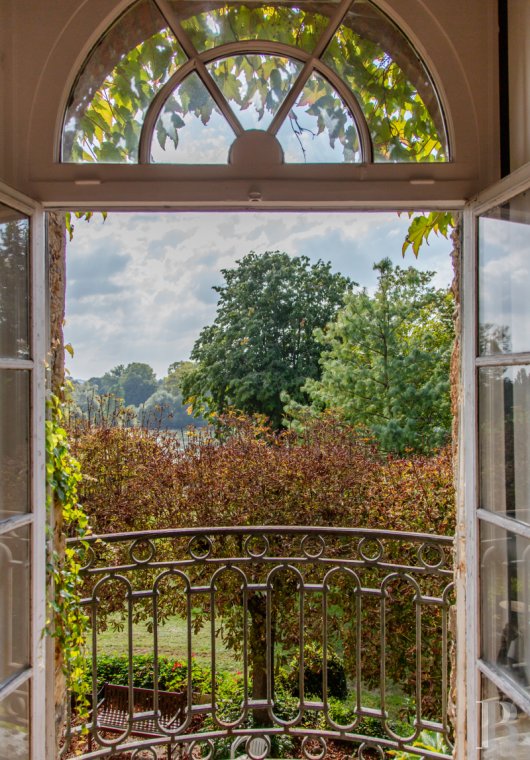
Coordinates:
(113,711)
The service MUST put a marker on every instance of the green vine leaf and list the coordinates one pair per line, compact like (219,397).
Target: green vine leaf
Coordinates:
(87,216)
(68,623)
(421,227)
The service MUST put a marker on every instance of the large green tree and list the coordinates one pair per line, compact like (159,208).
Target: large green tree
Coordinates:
(385,361)
(262,340)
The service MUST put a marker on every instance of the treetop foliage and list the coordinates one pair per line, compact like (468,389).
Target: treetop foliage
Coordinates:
(385,361)
(129,395)
(262,342)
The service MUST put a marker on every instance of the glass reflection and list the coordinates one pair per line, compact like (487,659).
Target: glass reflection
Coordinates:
(14,282)
(14,442)
(503,276)
(14,603)
(320,127)
(14,724)
(391,84)
(504,441)
(254,85)
(505,576)
(505,728)
(190,128)
(107,107)
(217,23)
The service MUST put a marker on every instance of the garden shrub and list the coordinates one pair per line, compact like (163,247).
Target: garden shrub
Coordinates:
(331,475)
(172,674)
(229,697)
(313,673)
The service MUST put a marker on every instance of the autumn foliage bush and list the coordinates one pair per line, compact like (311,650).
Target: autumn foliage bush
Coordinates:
(332,474)
(136,479)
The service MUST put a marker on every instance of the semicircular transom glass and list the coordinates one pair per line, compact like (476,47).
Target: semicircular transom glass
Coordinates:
(122,74)
(190,128)
(219,23)
(319,128)
(351,48)
(392,86)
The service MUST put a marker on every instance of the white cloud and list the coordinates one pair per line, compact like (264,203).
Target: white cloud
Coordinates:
(504,271)
(139,285)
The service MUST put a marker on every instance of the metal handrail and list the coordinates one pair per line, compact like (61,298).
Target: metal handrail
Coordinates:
(263,529)
(267,570)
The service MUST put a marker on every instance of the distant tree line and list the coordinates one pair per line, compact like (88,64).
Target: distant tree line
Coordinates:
(134,395)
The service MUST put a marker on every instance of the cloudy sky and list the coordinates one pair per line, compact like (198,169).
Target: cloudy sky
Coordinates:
(140,285)
(503,274)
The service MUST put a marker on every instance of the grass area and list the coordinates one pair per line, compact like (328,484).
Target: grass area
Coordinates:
(172,641)
(172,638)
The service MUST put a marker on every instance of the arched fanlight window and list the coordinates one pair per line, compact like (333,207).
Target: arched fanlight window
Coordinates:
(181,81)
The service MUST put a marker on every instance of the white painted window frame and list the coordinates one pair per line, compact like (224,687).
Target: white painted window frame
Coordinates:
(469,677)
(36,674)
(501,192)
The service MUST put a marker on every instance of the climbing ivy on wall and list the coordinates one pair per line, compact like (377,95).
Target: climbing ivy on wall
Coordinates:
(68,622)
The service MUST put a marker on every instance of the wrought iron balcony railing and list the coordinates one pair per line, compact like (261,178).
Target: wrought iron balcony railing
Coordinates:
(340,637)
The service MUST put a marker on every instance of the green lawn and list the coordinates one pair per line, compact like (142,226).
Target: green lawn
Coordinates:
(172,638)
(172,643)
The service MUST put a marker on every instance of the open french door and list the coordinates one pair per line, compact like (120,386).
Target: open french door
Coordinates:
(495,472)
(23,339)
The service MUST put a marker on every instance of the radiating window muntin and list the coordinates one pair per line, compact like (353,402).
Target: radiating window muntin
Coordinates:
(350,44)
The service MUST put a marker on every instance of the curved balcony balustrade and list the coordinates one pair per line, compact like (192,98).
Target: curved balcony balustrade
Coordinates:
(376,601)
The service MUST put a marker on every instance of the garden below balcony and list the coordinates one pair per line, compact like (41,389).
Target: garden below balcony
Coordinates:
(286,642)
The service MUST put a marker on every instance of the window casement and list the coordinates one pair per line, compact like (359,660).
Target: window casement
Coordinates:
(494,474)
(22,477)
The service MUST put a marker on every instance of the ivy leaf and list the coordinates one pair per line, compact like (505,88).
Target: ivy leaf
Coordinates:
(421,227)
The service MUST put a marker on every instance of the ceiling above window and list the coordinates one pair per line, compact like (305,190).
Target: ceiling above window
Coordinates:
(178,81)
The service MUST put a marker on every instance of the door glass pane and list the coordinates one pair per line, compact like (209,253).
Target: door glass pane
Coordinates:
(14,442)
(14,276)
(504,441)
(14,603)
(503,277)
(505,729)
(14,724)
(505,575)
